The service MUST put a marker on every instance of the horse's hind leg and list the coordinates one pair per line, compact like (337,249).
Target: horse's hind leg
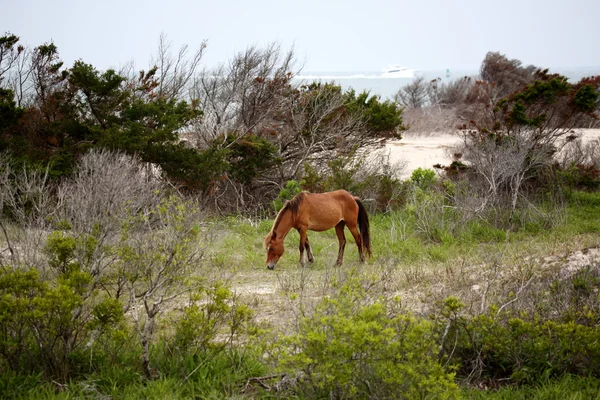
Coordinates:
(339,231)
(354,230)
(309,253)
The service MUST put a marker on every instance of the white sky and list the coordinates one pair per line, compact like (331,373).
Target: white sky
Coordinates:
(334,35)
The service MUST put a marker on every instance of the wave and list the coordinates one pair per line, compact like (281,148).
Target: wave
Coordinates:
(339,77)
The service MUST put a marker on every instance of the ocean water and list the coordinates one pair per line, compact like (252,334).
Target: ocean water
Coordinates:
(386,88)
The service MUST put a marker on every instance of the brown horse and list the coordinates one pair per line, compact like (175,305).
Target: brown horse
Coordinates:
(319,212)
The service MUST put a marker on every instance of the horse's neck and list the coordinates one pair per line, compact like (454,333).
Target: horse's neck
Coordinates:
(285,225)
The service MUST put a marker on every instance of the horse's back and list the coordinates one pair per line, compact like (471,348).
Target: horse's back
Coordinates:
(325,210)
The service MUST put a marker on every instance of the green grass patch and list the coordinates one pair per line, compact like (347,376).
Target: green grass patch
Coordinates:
(206,375)
(565,388)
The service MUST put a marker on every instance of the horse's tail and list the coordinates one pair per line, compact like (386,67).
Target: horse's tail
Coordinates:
(363,226)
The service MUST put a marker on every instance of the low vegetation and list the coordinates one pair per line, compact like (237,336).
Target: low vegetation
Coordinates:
(131,262)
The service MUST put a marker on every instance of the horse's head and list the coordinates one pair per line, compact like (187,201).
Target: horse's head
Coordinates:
(274,247)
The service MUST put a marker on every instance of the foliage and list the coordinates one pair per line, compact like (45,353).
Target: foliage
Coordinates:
(568,388)
(383,118)
(10,113)
(82,107)
(558,335)
(354,348)
(247,157)
(291,189)
(506,75)
(47,323)
(424,179)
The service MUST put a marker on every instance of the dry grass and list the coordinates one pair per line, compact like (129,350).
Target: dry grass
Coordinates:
(480,275)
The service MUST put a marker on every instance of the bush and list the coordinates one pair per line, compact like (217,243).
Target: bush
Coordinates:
(212,320)
(45,324)
(352,347)
(552,330)
(423,178)
(372,178)
(291,189)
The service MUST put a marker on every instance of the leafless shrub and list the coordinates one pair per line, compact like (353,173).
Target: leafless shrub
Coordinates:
(506,162)
(428,120)
(414,94)
(450,94)
(26,207)
(243,95)
(26,193)
(105,188)
(20,78)
(175,73)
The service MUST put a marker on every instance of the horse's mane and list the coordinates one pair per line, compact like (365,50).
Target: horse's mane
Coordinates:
(291,205)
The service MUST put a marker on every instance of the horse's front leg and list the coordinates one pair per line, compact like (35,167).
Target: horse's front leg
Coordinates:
(309,253)
(303,244)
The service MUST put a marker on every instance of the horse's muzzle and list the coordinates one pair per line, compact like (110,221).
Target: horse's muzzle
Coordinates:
(271,265)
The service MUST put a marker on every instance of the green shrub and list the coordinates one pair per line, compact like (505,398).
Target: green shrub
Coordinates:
(43,324)
(424,178)
(559,335)
(483,232)
(352,347)
(434,220)
(212,314)
(291,189)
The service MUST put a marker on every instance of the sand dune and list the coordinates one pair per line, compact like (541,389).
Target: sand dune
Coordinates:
(424,151)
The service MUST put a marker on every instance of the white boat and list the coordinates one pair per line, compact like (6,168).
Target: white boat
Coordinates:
(398,71)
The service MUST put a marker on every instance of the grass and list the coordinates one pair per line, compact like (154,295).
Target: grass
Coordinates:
(422,270)
(206,375)
(394,237)
(566,388)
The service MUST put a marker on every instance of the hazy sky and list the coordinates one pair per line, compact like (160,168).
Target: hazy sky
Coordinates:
(334,35)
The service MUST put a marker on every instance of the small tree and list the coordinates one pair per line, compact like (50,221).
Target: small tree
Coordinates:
(414,94)
(506,75)
(9,53)
(158,257)
(522,133)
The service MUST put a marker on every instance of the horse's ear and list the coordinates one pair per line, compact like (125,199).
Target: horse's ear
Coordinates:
(270,236)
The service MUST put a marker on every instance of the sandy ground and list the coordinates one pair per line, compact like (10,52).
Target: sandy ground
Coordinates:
(424,151)
(419,151)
